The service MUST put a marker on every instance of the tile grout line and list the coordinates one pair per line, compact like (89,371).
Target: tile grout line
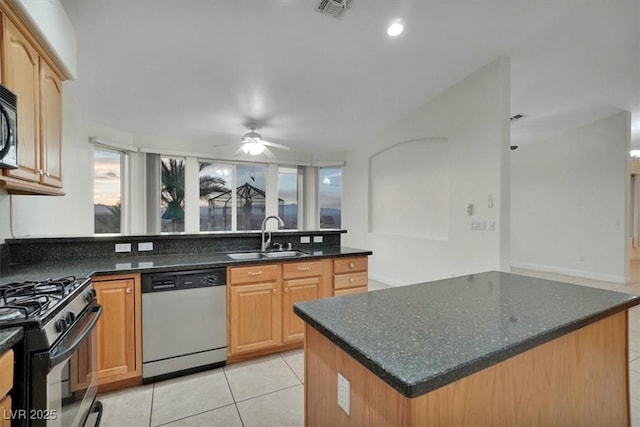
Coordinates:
(271,392)
(193,415)
(233,397)
(292,370)
(153,393)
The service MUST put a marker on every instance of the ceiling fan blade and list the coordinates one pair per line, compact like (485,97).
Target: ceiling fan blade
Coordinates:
(268,153)
(223,145)
(276,145)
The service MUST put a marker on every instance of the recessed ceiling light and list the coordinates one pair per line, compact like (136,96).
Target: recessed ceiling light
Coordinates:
(395,29)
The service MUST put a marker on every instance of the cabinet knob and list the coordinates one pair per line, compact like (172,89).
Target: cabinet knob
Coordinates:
(286,289)
(275,291)
(352,280)
(351,265)
(129,290)
(254,273)
(304,268)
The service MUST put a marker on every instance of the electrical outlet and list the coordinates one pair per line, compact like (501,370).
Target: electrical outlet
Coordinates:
(317,239)
(344,391)
(305,239)
(145,246)
(123,247)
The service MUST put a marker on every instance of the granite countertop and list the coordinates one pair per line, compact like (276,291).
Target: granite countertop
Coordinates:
(148,264)
(421,337)
(9,338)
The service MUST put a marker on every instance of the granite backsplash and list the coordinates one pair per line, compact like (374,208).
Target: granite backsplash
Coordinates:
(31,250)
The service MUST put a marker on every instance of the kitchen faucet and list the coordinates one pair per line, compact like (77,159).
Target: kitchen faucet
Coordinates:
(266,243)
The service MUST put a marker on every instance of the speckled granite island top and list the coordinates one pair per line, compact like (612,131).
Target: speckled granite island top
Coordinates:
(421,337)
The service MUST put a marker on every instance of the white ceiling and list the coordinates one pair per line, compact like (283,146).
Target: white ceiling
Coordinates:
(199,70)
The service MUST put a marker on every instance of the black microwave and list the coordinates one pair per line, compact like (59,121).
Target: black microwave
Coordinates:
(8,129)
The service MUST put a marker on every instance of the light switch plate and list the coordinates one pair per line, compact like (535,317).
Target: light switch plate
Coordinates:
(123,247)
(317,239)
(344,390)
(305,239)
(145,246)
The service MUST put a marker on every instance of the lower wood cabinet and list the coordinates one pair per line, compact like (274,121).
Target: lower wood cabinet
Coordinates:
(6,384)
(260,302)
(350,275)
(296,290)
(254,316)
(119,328)
(118,333)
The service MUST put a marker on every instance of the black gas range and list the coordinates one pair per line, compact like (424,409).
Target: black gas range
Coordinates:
(55,381)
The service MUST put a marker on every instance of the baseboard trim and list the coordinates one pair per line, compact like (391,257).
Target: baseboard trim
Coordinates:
(569,272)
(386,280)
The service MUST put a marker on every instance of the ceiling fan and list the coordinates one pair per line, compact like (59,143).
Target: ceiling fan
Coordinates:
(253,144)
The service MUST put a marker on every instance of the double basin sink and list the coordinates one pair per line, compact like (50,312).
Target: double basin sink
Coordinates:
(267,254)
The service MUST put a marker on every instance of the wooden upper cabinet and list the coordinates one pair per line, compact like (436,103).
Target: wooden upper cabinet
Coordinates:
(29,71)
(21,76)
(50,126)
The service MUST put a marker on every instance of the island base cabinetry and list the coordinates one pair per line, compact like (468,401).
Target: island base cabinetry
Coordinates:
(579,379)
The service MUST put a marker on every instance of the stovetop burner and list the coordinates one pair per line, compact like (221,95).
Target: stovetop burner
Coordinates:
(24,308)
(30,299)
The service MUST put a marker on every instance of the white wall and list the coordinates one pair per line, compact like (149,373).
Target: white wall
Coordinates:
(52,24)
(69,215)
(569,202)
(473,116)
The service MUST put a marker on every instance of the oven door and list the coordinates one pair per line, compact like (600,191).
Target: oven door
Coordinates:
(64,379)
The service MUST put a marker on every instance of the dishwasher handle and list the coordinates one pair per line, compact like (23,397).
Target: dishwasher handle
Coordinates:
(182,280)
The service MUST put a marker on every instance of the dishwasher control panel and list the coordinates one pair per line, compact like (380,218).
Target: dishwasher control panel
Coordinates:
(179,280)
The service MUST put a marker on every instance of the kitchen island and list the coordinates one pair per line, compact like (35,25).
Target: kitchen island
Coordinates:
(492,348)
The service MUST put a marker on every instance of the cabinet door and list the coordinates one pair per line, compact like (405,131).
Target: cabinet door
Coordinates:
(5,411)
(20,75)
(296,290)
(254,317)
(50,126)
(116,329)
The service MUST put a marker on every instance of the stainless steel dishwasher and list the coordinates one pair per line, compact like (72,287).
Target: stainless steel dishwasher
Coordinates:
(184,322)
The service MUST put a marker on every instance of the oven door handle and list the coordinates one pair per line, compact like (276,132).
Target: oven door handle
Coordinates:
(67,350)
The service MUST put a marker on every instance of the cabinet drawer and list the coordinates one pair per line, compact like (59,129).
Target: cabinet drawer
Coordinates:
(301,269)
(253,274)
(6,372)
(350,291)
(347,265)
(343,281)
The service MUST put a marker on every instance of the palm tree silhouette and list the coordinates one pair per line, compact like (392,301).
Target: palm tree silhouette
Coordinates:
(172,194)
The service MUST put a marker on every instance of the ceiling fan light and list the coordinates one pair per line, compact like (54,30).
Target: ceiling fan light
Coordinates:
(254,148)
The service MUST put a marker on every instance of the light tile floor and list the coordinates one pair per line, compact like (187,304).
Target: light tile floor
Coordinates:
(269,391)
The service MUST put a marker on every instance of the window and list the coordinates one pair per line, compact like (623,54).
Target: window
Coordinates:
(330,197)
(172,195)
(215,196)
(250,196)
(107,190)
(288,196)
(232,194)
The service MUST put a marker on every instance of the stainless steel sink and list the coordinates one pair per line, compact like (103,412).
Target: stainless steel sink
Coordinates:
(244,256)
(283,254)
